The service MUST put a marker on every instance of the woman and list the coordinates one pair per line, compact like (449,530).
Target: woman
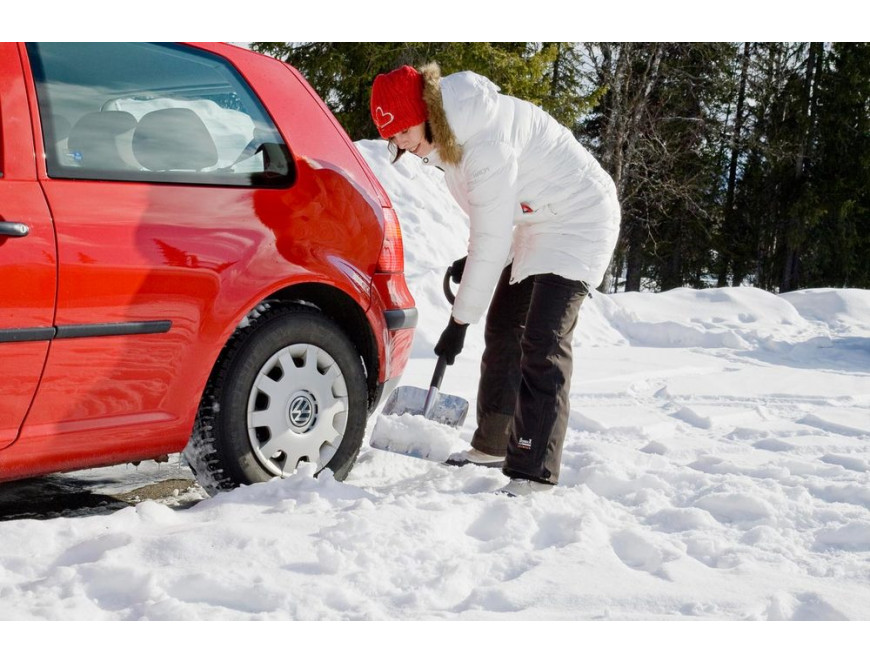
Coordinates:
(544,220)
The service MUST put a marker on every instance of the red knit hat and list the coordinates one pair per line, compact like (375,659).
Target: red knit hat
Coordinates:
(397,101)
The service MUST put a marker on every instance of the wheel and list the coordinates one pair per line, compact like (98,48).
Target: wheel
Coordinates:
(290,389)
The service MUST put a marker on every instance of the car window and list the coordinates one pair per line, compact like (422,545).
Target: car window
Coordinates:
(153,113)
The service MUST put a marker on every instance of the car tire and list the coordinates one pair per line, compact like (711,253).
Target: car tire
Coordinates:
(290,388)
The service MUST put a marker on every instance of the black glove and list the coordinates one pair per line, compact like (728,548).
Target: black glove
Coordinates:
(457,269)
(451,341)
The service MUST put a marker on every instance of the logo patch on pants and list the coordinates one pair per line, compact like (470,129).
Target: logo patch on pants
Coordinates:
(525,443)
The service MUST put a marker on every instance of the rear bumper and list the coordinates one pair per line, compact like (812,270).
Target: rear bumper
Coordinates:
(393,314)
(401,319)
(398,339)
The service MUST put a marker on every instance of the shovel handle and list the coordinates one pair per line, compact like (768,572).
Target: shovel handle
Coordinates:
(448,293)
(442,362)
(434,389)
(438,375)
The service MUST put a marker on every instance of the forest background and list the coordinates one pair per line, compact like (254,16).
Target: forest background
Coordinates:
(736,163)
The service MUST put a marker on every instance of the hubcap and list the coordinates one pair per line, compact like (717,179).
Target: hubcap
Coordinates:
(297,409)
(302,412)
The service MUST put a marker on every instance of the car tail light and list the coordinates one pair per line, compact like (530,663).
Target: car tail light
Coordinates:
(392,258)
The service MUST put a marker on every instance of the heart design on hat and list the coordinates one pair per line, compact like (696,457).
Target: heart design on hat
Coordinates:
(383,118)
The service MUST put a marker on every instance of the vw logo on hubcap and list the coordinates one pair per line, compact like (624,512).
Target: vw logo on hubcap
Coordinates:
(301,412)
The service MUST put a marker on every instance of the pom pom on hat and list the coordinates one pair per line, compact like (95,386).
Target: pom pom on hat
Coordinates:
(397,101)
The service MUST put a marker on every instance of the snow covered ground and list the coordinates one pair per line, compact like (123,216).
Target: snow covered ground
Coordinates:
(717,467)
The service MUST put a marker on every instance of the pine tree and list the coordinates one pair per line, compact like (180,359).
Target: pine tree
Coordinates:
(694,86)
(839,243)
(773,204)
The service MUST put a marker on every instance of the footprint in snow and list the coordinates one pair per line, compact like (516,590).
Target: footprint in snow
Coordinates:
(805,606)
(847,462)
(773,445)
(853,536)
(557,530)
(638,553)
(93,551)
(734,508)
(654,447)
(498,523)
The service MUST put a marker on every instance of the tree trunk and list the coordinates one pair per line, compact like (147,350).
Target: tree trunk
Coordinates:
(795,231)
(634,256)
(556,81)
(630,94)
(730,225)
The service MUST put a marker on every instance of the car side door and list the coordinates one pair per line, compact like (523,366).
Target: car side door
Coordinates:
(152,189)
(28,263)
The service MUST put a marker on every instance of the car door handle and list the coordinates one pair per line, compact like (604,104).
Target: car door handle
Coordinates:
(14,229)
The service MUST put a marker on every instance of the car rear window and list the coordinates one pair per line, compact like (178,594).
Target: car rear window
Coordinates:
(153,113)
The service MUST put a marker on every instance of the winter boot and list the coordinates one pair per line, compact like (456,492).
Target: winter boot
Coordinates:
(519,487)
(475,457)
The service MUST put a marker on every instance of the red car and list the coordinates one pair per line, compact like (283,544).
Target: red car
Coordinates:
(193,256)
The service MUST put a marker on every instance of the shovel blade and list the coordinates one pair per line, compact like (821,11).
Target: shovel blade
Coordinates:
(449,409)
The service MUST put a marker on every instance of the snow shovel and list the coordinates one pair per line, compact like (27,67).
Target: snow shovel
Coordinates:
(396,434)
(432,404)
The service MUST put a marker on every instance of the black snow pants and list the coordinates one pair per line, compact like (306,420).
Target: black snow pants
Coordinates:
(525,374)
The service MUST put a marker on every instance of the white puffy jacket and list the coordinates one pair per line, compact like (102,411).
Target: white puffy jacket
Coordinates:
(532,193)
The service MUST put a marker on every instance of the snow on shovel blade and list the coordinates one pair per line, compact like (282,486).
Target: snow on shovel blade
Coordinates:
(415,436)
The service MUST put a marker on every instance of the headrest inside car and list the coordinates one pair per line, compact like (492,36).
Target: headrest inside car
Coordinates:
(173,139)
(101,140)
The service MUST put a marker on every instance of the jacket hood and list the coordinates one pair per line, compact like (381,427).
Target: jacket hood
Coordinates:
(459,105)
(471,103)
(449,149)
